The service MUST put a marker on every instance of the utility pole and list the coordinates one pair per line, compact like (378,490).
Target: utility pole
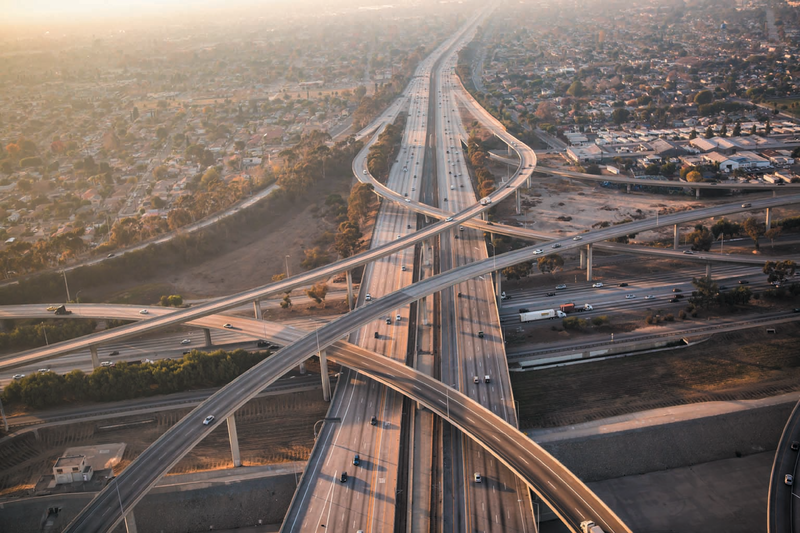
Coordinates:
(66,285)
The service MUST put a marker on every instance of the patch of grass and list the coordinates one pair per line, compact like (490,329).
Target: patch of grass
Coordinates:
(146,294)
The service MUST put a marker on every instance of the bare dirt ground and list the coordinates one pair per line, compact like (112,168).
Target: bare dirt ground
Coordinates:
(731,366)
(25,458)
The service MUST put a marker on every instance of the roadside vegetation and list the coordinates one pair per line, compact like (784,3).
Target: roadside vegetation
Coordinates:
(386,148)
(33,336)
(126,381)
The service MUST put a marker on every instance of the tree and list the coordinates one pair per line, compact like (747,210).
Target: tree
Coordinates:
(709,132)
(779,271)
(576,89)
(286,303)
(210,177)
(705,293)
(546,111)
(693,134)
(772,234)
(725,227)
(160,172)
(723,132)
(753,229)
(348,238)
(520,270)
(315,257)
(694,177)
(178,218)
(161,133)
(737,128)
(701,238)
(620,116)
(704,97)
(551,263)
(317,292)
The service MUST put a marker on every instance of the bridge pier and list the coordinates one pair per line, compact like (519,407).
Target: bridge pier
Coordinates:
(498,289)
(350,301)
(708,270)
(233,437)
(629,188)
(769,219)
(697,192)
(302,368)
(519,202)
(676,237)
(95,359)
(257,309)
(530,181)
(326,379)
(588,262)
(207,337)
(130,522)
(582,259)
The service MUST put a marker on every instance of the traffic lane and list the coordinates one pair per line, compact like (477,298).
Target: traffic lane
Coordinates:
(781,500)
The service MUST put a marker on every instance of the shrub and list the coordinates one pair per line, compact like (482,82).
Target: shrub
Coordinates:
(574,323)
(682,314)
(669,318)
(600,320)
(650,320)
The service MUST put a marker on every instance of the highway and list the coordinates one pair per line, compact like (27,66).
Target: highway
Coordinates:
(783,501)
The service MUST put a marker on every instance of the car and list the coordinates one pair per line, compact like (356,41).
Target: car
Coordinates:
(481,334)
(388,320)
(746,205)
(53,307)
(403,268)
(679,296)
(356,460)
(477,477)
(398,236)
(44,370)
(649,297)
(448,219)
(743,282)
(796,310)
(538,251)
(106,363)
(676,290)
(110,255)
(227,326)
(398,318)
(577,238)
(373,421)
(487,378)
(186,352)
(115,352)
(405,194)
(144,312)
(368,297)
(475,379)
(788,479)
(343,477)
(795,445)
(19,376)
(673,300)
(365,171)
(186,341)
(208,420)
(408,200)
(524,310)
(445,199)
(623,284)
(597,285)
(561,287)
(630,296)
(688,252)
(262,344)
(550,294)
(723,287)
(556,245)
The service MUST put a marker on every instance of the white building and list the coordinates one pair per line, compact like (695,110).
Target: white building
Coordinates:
(70,469)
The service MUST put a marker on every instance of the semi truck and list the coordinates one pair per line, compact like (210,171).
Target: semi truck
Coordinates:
(568,308)
(541,315)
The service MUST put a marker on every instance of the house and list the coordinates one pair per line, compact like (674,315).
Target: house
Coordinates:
(93,196)
(71,469)
(584,154)
(666,149)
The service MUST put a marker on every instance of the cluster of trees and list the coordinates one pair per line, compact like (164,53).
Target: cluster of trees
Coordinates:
(126,381)
(347,241)
(477,158)
(707,293)
(779,271)
(25,257)
(317,292)
(173,300)
(36,335)
(575,323)
(311,160)
(383,152)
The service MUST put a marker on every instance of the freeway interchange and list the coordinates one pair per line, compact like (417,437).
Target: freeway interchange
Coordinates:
(377,350)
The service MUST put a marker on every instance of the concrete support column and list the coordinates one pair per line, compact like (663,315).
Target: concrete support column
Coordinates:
(530,181)
(708,270)
(769,219)
(350,300)
(130,522)
(774,193)
(233,437)
(423,306)
(519,202)
(95,359)
(498,288)
(676,238)
(588,262)
(326,379)
(207,336)
(483,216)
(629,188)
(302,368)
(582,259)
(257,309)
(697,193)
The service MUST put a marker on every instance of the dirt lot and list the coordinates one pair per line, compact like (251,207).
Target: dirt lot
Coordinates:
(731,366)
(24,459)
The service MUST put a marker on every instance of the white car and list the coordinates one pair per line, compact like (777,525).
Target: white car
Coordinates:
(44,370)
(208,420)
(186,341)
(538,252)
(649,297)
(577,238)
(448,219)
(630,296)
(477,477)
(227,326)
(144,312)
(19,376)
(597,285)
(106,363)
(368,297)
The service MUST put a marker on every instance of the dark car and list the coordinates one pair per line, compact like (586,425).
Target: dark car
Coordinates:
(743,282)
(115,352)
(262,344)
(796,310)
(480,334)
(356,460)
(550,294)
(623,284)
(795,446)
(676,290)
(373,421)
(377,335)
(721,287)
(673,300)
(343,479)
(679,296)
